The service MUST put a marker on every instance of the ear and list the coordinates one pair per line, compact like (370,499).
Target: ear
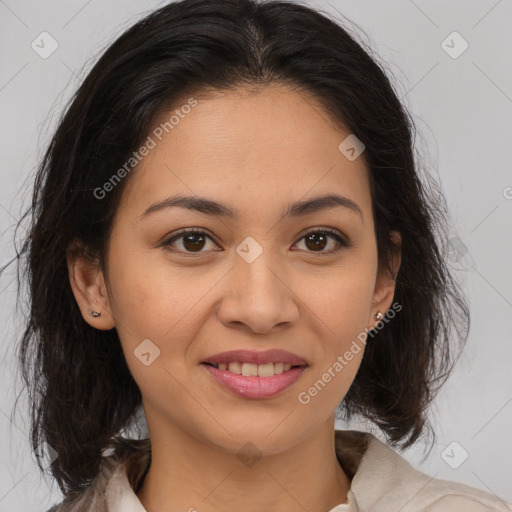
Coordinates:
(89,287)
(386,282)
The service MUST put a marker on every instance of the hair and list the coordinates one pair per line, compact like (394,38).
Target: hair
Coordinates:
(75,374)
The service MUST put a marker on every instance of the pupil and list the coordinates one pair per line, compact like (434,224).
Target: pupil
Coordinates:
(195,241)
(189,239)
(316,245)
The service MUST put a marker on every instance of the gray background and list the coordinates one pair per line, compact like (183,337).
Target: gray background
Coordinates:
(462,107)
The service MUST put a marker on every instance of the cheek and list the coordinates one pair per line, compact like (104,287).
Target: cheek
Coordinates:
(145,292)
(338,303)
(153,325)
(340,315)
(156,301)
(341,297)
(148,305)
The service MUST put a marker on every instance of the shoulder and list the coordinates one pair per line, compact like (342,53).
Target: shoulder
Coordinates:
(127,465)
(385,481)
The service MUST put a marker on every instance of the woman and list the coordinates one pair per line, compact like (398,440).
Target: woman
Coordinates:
(229,231)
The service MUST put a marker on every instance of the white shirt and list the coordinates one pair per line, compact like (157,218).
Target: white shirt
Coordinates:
(382,481)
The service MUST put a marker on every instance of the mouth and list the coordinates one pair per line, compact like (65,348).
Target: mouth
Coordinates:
(252,381)
(239,361)
(255,370)
(255,374)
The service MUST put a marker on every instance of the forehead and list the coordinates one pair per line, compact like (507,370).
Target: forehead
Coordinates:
(243,145)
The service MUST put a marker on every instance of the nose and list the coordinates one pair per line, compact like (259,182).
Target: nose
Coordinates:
(260,297)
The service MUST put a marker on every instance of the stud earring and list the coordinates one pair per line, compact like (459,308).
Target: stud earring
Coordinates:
(379,315)
(94,314)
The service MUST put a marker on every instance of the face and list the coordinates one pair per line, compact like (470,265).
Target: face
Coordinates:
(268,276)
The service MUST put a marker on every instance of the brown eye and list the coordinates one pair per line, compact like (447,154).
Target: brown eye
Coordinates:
(317,241)
(192,241)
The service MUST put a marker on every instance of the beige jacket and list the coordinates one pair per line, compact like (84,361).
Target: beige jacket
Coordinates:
(382,481)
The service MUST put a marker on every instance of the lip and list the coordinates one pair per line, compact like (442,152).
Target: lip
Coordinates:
(255,387)
(254,357)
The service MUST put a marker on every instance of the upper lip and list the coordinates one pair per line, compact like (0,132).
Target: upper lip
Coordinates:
(254,357)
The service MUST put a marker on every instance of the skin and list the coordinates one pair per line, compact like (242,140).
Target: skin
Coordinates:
(239,148)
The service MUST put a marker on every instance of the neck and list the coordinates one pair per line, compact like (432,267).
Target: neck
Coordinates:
(190,474)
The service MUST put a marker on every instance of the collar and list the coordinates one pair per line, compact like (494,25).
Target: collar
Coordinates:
(120,492)
(381,479)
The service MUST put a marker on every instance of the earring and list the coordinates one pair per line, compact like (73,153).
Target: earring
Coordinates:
(94,314)
(379,315)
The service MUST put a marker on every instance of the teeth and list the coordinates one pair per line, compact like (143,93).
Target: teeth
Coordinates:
(250,370)
(253,370)
(265,370)
(235,368)
(279,368)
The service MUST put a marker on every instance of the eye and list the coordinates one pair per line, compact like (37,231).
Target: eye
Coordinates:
(194,240)
(316,240)
(191,241)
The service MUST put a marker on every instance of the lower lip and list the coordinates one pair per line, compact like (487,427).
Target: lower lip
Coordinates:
(255,387)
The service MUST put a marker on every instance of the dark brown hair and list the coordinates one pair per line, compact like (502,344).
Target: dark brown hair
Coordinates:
(82,394)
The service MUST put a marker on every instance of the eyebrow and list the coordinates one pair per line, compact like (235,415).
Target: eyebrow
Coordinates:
(210,207)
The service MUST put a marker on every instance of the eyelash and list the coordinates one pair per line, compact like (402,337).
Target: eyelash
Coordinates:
(342,241)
